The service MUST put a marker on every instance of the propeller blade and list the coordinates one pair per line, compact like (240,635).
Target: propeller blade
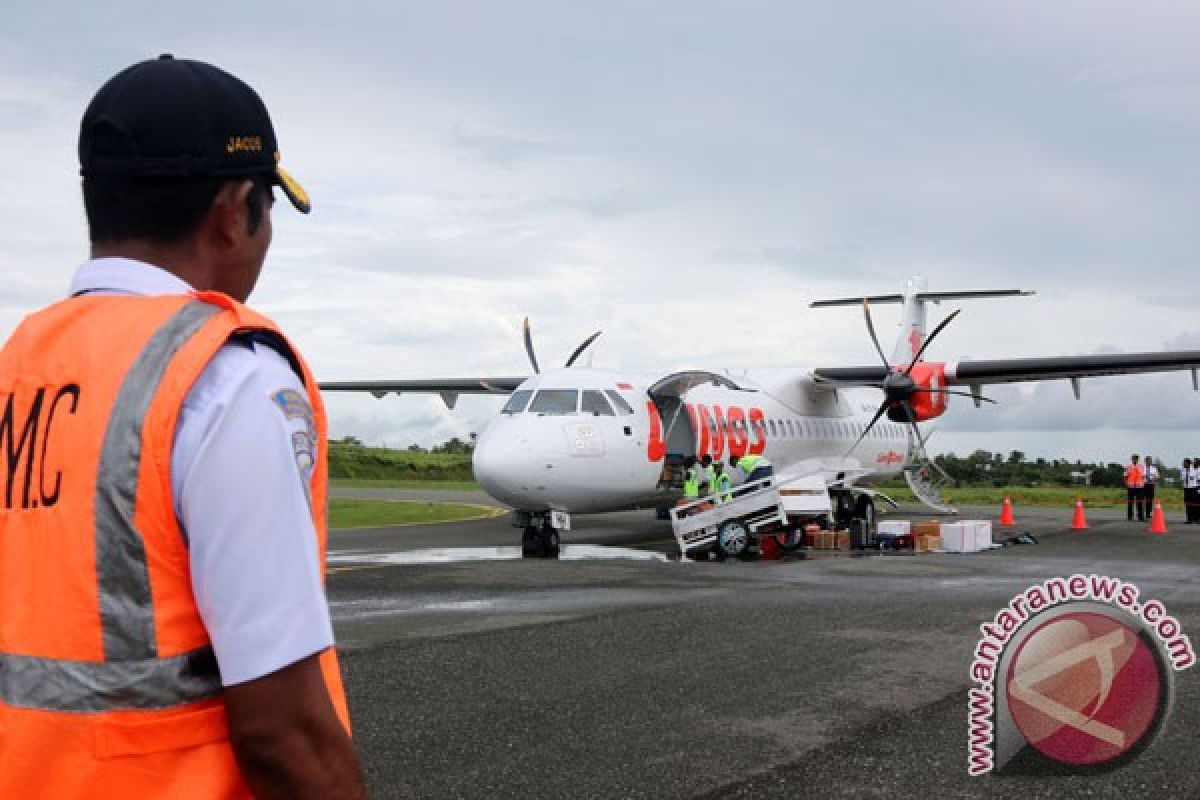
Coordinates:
(882,410)
(579,350)
(529,347)
(871,330)
(971,395)
(912,420)
(930,338)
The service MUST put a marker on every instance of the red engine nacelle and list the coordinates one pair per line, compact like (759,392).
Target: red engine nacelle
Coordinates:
(926,405)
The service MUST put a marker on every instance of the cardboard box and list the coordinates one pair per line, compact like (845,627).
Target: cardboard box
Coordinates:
(843,540)
(826,540)
(927,528)
(928,543)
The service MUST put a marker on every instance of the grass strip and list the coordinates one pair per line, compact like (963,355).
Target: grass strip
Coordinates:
(349,513)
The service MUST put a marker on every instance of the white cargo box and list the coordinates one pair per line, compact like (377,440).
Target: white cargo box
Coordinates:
(958,537)
(893,527)
(805,496)
(982,529)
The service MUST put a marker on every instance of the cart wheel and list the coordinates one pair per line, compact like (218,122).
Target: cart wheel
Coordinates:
(733,537)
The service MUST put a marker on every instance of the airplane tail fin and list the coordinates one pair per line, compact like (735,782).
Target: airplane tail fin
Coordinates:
(914,298)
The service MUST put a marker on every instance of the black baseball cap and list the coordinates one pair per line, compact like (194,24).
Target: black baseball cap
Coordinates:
(175,118)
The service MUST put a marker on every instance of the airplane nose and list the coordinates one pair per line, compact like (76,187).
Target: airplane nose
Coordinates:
(497,464)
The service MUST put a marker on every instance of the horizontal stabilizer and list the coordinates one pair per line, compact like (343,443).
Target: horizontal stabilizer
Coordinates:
(929,297)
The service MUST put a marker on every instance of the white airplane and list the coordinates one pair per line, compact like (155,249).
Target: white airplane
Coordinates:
(578,440)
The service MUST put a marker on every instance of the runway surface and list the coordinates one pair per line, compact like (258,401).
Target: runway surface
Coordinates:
(616,673)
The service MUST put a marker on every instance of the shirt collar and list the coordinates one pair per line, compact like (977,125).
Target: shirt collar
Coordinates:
(125,276)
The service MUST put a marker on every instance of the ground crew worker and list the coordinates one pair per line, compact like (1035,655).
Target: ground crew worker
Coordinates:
(721,483)
(1150,480)
(1191,481)
(691,478)
(708,475)
(1135,480)
(756,467)
(165,630)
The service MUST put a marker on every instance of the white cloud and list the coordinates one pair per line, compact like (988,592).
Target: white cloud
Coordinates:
(654,170)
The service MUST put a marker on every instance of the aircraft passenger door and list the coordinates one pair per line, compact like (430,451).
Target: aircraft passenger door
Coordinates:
(678,435)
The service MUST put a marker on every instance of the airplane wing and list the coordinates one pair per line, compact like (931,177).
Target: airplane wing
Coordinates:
(1013,370)
(448,388)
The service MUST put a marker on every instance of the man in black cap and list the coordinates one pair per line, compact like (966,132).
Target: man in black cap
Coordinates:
(166,629)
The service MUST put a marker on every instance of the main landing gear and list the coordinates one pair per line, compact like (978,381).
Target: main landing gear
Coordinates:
(540,538)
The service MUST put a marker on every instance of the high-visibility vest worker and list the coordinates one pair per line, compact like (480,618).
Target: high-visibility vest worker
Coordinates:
(691,482)
(749,463)
(723,483)
(1135,477)
(108,680)
(710,478)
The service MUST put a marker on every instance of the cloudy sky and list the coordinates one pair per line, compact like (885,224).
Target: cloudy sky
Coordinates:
(686,176)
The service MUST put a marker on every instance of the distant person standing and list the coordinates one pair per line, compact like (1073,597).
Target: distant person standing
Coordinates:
(1191,483)
(1150,480)
(1135,480)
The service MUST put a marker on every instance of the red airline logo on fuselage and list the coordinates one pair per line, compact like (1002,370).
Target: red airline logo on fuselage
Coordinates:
(717,431)
(890,457)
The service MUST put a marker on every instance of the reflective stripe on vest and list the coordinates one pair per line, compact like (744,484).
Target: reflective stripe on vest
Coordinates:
(132,676)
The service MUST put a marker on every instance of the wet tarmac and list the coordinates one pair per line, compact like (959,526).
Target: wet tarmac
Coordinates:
(617,672)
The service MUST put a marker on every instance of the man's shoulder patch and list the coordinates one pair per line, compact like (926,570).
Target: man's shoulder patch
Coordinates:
(292,403)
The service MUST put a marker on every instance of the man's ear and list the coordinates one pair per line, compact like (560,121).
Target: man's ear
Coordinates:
(229,213)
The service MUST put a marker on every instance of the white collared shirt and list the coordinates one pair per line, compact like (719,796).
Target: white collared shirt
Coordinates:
(238,481)
(1151,473)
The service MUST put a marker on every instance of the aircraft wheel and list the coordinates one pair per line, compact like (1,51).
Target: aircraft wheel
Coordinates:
(864,509)
(733,539)
(531,543)
(843,508)
(550,541)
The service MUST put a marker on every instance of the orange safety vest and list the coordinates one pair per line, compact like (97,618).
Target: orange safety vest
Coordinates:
(1135,477)
(108,682)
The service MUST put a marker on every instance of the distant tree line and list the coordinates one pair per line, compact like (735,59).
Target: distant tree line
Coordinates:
(452,447)
(983,468)
(349,458)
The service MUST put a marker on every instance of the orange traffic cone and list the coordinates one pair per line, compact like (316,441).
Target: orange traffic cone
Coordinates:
(1080,522)
(1006,514)
(1158,522)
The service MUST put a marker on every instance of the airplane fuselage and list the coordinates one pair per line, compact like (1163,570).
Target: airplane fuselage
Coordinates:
(585,441)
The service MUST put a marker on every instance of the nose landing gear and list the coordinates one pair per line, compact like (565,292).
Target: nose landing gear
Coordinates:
(540,539)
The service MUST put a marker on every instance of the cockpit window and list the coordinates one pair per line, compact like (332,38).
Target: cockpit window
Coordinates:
(622,407)
(555,401)
(594,403)
(516,404)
